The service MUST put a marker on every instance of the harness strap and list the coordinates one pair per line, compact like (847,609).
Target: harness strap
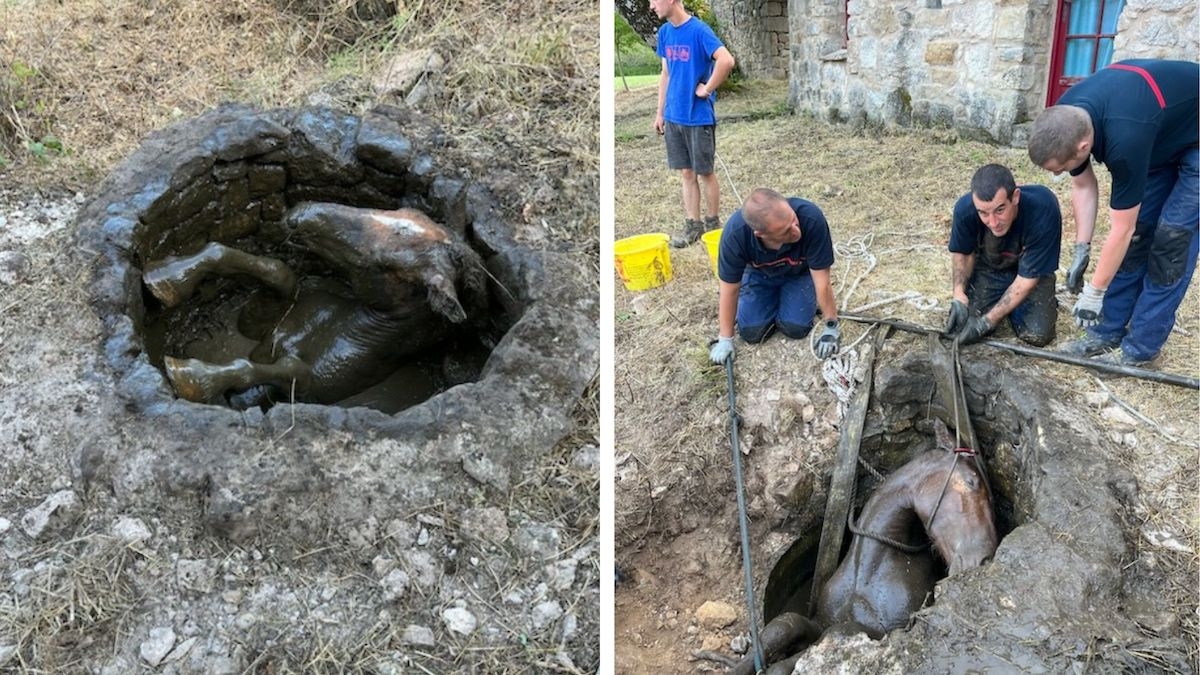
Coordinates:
(1162,102)
(969,452)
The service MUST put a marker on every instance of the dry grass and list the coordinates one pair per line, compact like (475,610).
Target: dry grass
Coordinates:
(887,193)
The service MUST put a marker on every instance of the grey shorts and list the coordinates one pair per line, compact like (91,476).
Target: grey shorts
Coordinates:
(691,147)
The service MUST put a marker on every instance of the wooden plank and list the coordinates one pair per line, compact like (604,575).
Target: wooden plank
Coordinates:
(845,471)
(953,398)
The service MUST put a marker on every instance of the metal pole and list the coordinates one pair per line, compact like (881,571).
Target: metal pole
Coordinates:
(742,521)
(1026,350)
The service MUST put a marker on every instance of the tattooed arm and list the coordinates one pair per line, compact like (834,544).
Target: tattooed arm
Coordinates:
(963,264)
(1012,298)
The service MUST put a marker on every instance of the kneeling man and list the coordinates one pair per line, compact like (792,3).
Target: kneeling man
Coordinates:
(1004,246)
(773,265)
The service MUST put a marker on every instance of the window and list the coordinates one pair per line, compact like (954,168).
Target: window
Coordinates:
(1083,42)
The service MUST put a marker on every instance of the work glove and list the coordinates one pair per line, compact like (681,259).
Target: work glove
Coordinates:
(974,330)
(722,349)
(956,319)
(827,344)
(1087,308)
(1078,266)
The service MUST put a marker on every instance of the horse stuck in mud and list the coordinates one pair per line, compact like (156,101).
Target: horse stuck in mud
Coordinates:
(939,501)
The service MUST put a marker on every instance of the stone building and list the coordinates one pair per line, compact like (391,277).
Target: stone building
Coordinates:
(985,68)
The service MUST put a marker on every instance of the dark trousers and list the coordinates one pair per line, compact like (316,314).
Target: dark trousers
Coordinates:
(1033,320)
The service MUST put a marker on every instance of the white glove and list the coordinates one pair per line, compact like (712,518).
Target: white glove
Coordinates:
(721,350)
(1087,310)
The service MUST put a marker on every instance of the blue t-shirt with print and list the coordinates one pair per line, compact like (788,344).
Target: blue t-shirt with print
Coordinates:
(1144,115)
(740,249)
(688,50)
(1031,245)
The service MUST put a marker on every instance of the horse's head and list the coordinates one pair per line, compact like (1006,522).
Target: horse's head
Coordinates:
(957,511)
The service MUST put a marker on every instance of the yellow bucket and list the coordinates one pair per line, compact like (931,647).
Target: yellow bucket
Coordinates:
(643,261)
(711,239)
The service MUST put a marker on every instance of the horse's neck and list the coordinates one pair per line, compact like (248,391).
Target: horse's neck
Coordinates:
(890,512)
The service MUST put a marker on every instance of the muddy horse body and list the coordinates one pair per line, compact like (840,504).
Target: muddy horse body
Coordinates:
(400,284)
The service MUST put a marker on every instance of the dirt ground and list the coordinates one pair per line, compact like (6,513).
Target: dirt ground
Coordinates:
(110,585)
(887,194)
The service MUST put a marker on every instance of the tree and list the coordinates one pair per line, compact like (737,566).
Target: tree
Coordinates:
(645,23)
(626,40)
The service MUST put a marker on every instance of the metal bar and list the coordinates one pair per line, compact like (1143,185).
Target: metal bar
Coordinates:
(742,521)
(1026,350)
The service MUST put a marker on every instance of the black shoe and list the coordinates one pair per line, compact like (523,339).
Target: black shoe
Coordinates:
(688,234)
(1087,345)
(711,223)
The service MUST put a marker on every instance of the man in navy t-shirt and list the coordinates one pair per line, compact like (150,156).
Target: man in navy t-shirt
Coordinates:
(773,265)
(1004,244)
(1139,118)
(694,64)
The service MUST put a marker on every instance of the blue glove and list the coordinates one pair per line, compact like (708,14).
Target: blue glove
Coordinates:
(1087,311)
(975,329)
(721,350)
(827,345)
(1078,267)
(956,319)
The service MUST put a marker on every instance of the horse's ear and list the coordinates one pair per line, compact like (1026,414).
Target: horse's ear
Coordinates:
(443,298)
(944,440)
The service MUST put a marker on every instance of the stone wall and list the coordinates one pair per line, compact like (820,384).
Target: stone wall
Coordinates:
(1159,29)
(981,68)
(756,32)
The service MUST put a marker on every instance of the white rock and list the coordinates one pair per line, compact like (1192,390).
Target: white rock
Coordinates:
(5,524)
(55,512)
(459,620)
(158,645)
(180,651)
(561,574)
(419,636)
(395,584)
(488,524)
(130,530)
(6,653)
(545,614)
(421,565)
(1118,416)
(570,626)
(1096,399)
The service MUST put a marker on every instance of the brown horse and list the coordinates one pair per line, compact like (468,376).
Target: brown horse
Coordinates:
(400,283)
(938,497)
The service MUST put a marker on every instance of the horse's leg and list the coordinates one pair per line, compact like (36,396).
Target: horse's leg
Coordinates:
(174,279)
(786,666)
(779,635)
(202,382)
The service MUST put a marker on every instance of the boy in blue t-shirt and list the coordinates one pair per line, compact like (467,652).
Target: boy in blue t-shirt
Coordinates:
(773,265)
(1140,119)
(694,64)
(1004,246)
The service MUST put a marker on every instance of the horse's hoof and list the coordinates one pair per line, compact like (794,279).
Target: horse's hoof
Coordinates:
(280,278)
(186,378)
(163,286)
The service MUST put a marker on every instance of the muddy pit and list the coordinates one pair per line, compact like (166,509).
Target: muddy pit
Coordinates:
(1063,592)
(495,387)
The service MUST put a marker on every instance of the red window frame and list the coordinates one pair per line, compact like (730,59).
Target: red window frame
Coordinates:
(1058,83)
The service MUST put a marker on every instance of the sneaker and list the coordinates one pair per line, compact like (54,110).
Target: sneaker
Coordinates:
(1087,345)
(1120,358)
(711,223)
(688,234)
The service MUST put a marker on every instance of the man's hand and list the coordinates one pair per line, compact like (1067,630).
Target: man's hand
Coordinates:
(827,344)
(1087,311)
(974,330)
(956,319)
(1078,266)
(660,125)
(702,91)
(721,350)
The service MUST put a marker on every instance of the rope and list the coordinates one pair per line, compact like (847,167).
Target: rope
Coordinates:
(854,528)
(728,177)
(742,520)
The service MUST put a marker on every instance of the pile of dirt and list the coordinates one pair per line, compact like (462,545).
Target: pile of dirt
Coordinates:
(887,194)
(117,576)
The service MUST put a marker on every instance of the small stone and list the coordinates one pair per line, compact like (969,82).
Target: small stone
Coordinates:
(545,614)
(159,644)
(196,575)
(180,651)
(712,643)
(383,565)
(394,585)
(488,524)
(586,458)
(1096,399)
(1119,417)
(14,267)
(6,654)
(422,567)
(130,530)
(538,541)
(418,636)
(56,512)
(570,626)
(423,537)
(5,524)
(740,644)
(459,620)
(561,574)
(716,614)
